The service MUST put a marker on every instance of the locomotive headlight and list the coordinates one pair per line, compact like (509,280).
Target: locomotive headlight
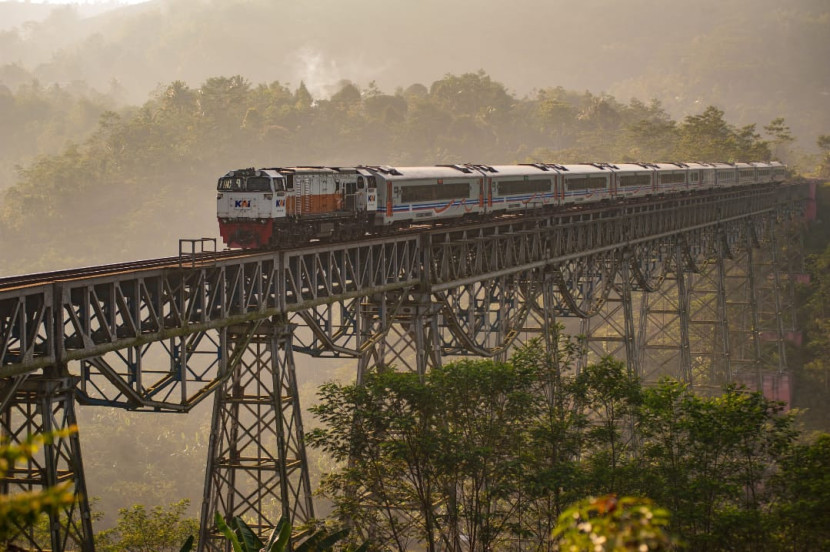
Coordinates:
(269,196)
(218,196)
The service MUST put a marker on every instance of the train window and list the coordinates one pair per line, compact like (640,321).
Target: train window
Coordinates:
(727,175)
(590,183)
(360,183)
(673,178)
(694,177)
(512,187)
(631,180)
(258,184)
(433,192)
(230,184)
(279,184)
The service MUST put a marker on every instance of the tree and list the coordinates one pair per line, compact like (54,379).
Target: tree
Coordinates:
(782,138)
(158,529)
(708,459)
(608,524)
(24,509)
(435,461)
(802,490)
(823,142)
(610,396)
(553,477)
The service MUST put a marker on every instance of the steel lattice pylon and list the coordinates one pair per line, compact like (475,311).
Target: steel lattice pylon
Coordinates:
(42,405)
(257,467)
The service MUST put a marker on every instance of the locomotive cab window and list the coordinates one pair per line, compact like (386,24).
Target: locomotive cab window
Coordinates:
(258,184)
(229,184)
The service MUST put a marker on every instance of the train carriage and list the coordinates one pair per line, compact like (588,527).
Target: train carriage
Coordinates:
(746,173)
(586,182)
(634,179)
(779,171)
(672,177)
(411,194)
(726,175)
(520,187)
(701,176)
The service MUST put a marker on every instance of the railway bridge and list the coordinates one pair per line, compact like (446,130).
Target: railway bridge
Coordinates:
(699,287)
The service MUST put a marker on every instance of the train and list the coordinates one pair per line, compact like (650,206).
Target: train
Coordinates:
(284,206)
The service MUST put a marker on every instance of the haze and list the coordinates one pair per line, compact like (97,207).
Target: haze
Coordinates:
(759,59)
(103,156)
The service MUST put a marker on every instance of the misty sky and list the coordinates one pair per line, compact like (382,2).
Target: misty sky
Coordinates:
(81,1)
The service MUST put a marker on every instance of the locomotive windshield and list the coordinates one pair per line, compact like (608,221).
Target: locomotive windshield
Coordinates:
(259,184)
(239,184)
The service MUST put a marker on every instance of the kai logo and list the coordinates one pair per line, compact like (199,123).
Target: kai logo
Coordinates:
(280,203)
(242,204)
(371,197)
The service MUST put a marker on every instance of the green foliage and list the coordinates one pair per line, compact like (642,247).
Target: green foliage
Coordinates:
(243,539)
(707,459)
(708,137)
(430,459)
(24,509)
(802,488)
(608,524)
(823,142)
(140,529)
(497,453)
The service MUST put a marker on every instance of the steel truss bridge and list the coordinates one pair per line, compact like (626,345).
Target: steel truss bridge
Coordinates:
(699,287)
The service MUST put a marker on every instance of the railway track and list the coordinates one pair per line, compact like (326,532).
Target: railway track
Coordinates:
(200,258)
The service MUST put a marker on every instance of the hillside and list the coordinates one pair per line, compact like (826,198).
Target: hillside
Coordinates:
(758,58)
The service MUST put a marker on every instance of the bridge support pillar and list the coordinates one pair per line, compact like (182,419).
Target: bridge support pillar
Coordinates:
(665,325)
(399,332)
(37,405)
(742,310)
(612,330)
(257,467)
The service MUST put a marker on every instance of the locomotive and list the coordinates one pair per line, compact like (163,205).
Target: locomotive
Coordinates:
(289,205)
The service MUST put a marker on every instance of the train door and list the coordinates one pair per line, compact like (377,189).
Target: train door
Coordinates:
(480,195)
(350,195)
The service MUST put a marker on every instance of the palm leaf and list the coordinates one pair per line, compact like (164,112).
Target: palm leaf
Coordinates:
(229,534)
(278,541)
(188,544)
(250,541)
(321,541)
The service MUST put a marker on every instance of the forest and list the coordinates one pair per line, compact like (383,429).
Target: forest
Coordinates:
(117,125)
(144,177)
